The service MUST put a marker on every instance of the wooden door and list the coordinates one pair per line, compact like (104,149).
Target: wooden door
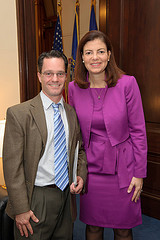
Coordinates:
(134,29)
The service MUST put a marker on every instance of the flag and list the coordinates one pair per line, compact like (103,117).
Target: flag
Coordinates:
(93,24)
(58,44)
(75,39)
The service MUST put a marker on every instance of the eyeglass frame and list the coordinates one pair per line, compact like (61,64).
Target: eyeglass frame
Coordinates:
(52,75)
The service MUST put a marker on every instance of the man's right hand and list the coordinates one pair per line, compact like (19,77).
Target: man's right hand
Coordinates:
(23,224)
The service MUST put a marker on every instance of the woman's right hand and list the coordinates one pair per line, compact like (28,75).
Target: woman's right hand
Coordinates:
(138,184)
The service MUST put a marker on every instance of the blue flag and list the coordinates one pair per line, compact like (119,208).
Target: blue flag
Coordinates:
(75,39)
(57,44)
(93,24)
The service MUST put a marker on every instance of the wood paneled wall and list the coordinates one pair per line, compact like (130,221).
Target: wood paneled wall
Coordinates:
(133,27)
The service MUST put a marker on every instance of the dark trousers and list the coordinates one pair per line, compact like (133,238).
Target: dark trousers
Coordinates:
(52,207)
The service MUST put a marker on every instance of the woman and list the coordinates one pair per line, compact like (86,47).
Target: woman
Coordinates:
(109,108)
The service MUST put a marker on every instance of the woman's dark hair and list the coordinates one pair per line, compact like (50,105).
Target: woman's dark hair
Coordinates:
(51,54)
(113,73)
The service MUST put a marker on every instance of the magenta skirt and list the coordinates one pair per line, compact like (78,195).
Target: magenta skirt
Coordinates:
(106,205)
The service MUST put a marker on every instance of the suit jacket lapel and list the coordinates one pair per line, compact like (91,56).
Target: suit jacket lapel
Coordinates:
(85,107)
(37,112)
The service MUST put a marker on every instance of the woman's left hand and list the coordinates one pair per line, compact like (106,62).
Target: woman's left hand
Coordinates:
(138,184)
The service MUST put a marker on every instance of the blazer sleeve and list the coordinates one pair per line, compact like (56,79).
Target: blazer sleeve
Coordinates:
(82,160)
(137,130)
(13,164)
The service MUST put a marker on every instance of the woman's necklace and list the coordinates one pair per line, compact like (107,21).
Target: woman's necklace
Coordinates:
(99,94)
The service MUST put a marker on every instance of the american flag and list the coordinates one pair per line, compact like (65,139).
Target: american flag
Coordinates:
(57,44)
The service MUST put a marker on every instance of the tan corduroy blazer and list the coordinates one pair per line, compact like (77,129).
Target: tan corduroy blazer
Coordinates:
(24,143)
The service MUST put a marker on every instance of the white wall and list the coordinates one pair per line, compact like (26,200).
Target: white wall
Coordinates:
(9,70)
(68,15)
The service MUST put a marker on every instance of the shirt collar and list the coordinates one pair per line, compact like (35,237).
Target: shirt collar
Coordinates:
(47,102)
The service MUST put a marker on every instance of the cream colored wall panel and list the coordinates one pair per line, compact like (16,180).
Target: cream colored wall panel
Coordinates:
(9,70)
(84,16)
(68,14)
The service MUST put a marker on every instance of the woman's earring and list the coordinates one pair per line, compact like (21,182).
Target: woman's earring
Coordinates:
(83,61)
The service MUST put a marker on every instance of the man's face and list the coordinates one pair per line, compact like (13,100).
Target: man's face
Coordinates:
(52,78)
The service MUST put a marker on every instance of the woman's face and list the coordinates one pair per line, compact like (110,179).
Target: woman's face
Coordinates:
(95,56)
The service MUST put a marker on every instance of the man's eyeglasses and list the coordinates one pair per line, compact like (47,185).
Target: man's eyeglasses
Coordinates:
(49,75)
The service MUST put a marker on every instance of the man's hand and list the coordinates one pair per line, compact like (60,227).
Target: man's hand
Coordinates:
(23,224)
(138,184)
(78,188)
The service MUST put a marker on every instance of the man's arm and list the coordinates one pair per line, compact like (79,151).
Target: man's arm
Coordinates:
(13,164)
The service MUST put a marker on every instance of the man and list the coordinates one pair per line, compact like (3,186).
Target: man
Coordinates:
(42,209)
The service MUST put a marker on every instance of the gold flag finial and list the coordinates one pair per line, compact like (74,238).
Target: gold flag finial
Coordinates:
(93,2)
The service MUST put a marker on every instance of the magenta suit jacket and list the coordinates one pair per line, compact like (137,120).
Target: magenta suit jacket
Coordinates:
(123,117)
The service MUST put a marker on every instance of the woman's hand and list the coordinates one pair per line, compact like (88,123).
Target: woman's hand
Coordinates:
(138,184)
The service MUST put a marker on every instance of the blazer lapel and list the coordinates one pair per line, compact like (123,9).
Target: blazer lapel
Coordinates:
(37,112)
(84,109)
